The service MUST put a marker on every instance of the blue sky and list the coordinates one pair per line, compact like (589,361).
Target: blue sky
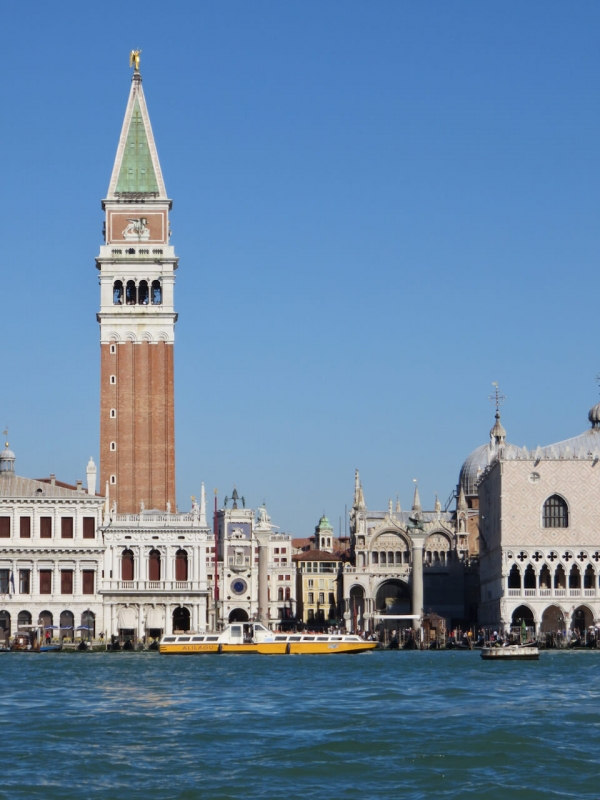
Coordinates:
(379,210)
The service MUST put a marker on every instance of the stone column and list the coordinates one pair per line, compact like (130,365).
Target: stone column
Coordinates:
(418,542)
(262,538)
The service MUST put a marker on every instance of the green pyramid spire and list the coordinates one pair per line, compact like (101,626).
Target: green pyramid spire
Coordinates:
(137,172)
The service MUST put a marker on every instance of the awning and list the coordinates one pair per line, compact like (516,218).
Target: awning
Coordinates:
(155,618)
(127,618)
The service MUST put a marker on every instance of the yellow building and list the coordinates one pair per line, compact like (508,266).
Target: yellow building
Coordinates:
(319,577)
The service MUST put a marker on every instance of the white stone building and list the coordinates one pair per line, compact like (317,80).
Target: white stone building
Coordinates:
(238,550)
(51,553)
(155,572)
(404,562)
(540,533)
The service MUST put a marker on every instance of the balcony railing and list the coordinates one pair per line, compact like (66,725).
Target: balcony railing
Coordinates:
(553,592)
(155,587)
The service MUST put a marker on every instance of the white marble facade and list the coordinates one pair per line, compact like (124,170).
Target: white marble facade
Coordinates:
(540,534)
(51,553)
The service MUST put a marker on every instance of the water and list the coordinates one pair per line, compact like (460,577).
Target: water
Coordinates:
(376,725)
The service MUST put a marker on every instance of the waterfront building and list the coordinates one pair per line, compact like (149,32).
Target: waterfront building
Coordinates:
(539,533)
(155,568)
(51,553)
(319,562)
(405,563)
(238,530)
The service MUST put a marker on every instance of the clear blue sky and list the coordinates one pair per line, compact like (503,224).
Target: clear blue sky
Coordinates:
(379,209)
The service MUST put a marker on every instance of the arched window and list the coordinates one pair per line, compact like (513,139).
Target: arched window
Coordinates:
(280,593)
(560,579)
(24,618)
(67,624)
(118,293)
(46,619)
(575,578)
(156,293)
(127,565)
(589,577)
(5,626)
(545,580)
(382,558)
(181,565)
(143,293)
(529,578)
(88,624)
(130,294)
(398,557)
(514,578)
(154,566)
(375,557)
(556,513)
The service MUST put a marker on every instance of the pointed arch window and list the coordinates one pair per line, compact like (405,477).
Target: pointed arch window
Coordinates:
(555,513)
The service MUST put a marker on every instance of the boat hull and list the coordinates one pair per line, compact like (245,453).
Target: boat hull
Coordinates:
(269,648)
(511,653)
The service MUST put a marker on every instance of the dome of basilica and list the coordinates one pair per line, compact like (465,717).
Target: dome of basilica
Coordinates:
(473,467)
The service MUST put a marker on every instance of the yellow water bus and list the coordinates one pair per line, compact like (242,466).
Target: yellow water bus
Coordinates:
(255,638)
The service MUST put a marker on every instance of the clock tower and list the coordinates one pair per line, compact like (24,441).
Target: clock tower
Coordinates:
(137,322)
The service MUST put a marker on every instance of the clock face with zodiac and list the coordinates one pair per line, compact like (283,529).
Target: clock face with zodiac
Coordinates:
(239,586)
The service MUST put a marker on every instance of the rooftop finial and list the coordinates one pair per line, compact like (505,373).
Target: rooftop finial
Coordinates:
(594,415)
(498,434)
(134,60)
(497,398)
(5,432)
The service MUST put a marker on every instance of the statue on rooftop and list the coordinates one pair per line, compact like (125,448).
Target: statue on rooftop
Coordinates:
(134,59)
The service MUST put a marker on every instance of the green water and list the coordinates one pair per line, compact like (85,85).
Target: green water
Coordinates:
(376,725)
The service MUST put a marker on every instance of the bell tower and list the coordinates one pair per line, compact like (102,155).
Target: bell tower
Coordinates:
(137,321)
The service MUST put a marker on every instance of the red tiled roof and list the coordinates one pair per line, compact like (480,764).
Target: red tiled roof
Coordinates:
(62,484)
(315,555)
(303,542)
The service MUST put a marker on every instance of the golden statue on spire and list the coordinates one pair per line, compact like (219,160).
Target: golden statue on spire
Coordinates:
(134,59)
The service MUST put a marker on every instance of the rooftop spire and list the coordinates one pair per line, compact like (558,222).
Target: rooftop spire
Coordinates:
(497,434)
(462,500)
(136,170)
(416,506)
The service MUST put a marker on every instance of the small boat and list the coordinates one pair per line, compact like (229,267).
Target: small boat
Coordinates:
(255,638)
(32,639)
(511,652)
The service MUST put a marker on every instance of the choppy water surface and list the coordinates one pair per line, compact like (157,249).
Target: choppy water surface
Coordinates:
(395,724)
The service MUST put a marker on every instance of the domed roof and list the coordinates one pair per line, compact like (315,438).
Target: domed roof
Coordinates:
(594,415)
(471,470)
(324,523)
(7,460)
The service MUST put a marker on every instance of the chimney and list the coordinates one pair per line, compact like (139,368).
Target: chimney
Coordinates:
(91,477)
(52,479)
(79,485)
